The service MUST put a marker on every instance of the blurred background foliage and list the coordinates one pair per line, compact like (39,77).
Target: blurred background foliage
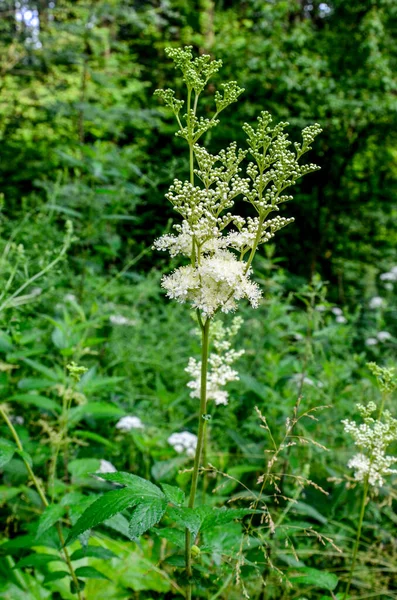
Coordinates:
(82,135)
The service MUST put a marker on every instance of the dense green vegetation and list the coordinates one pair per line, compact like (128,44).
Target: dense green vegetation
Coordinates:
(86,145)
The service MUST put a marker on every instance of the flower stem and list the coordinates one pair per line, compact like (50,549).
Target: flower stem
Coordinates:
(357,542)
(42,495)
(199,448)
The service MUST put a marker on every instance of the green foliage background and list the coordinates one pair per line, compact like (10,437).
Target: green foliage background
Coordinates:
(82,138)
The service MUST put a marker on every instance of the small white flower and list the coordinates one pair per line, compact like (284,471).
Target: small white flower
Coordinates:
(390,276)
(129,422)
(383,336)
(120,320)
(106,467)
(371,341)
(376,302)
(183,442)
(321,307)
(70,298)
(388,286)
(17,419)
(337,311)
(341,319)
(394,270)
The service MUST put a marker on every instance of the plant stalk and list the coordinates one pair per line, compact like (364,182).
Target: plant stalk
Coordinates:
(199,448)
(42,495)
(357,542)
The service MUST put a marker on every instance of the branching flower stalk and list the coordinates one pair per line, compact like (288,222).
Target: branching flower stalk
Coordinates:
(372,438)
(220,245)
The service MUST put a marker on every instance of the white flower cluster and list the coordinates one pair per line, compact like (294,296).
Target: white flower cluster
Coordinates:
(121,320)
(129,422)
(376,302)
(106,467)
(220,371)
(389,275)
(215,240)
(216,283)
(372,437)
(381,336)
(183,442)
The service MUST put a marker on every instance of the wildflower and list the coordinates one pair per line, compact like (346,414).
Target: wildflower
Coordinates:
(216,284)
(129,422)
(321,308)
(371,341)
(120,320)
(70,298)
(376,302)
(17,419)
(383,336)
(183,442)
(341,319)
(372,437)
(390,276)
(337,311)
(220,371)
(389,287)
(297,378)
(106,467)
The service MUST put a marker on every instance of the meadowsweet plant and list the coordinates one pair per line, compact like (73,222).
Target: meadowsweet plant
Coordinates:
(373,436)
(217,246)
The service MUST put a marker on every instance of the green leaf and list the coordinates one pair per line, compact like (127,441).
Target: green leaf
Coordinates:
(92,551)
(7,450)
(187,517)
(173,494)
(221,516)
(37,560)
(305,509)
(5,342)
(105,507)
(83,467)
(73,587)
(25,456)
(34,383)
(313,577)
(50,516)
(90,572)
(95,437)
(55,575)
(142,487)
(98,410)
(36,400)
(175,536)
(145,516)
(49,373)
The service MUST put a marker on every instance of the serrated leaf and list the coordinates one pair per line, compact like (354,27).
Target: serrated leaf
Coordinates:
(173,494)
(37,560)
(145,516)
(142,487)
(187,517)
(7,451)
(50,516)
(89,572)
(92,551)
(175,536)
(313,577)
(221,516)
(36,400)
(55,576)
(105,507)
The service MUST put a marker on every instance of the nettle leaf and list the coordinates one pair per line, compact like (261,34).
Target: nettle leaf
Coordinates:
(7,451)
(145,489)
(37,560)
(187,517)
(92,551)
(55,576)
(175,536)
(50,516)
(173,494)
(221,516)
(105,507)
(145,516)
(313,577)
(36,400)
(90,572)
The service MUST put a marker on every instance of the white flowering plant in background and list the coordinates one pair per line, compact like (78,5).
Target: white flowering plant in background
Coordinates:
(216,244)
(372,437)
